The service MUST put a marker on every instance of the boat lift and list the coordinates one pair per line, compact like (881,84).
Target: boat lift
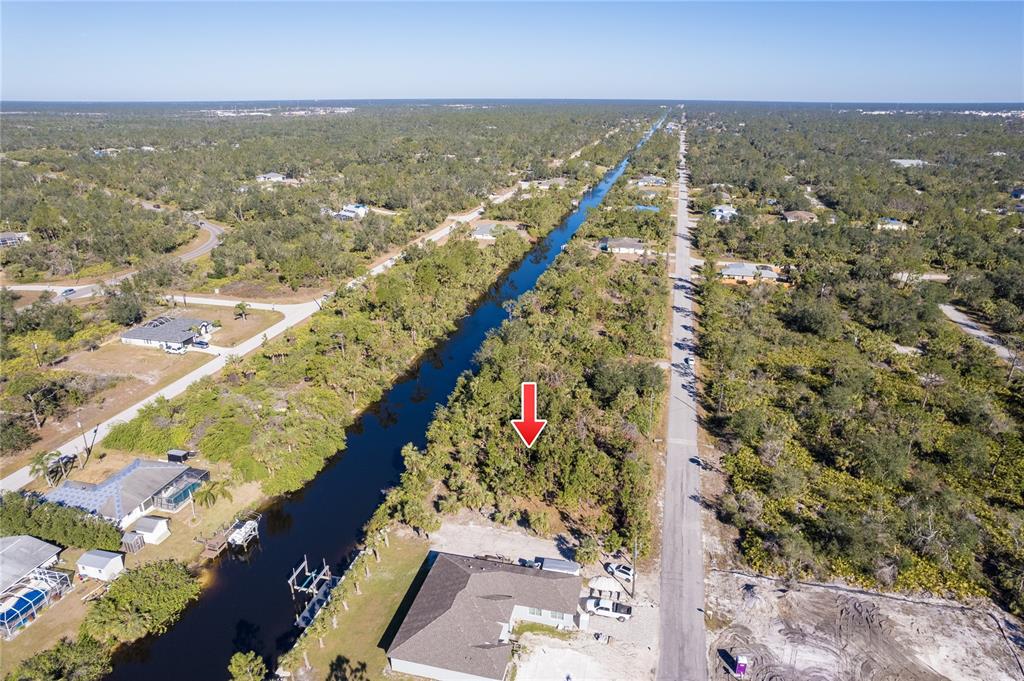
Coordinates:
(317,584)
(244,530)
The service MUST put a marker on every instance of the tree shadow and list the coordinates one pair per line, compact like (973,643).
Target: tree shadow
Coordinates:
(344,669)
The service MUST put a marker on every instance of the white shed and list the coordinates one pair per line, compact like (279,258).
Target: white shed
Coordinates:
(99,564)
(153,529)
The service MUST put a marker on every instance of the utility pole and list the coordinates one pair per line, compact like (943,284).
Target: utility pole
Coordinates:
(636,573)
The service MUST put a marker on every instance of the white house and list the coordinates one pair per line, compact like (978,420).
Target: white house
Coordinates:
(271,177)
(353,211)
(909,162)
(152,528)
(128,494)
(102,565)
(622,246)
(723,213)
(8,239)
(460,624)
(167,332)
(892,224)
(741,271)
(651,181)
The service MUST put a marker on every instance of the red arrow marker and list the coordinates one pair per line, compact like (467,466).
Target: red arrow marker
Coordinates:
(529,426)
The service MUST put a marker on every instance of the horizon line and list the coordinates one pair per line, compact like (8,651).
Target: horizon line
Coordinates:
(660,100)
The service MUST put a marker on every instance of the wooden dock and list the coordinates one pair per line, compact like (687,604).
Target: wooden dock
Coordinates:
(214,545)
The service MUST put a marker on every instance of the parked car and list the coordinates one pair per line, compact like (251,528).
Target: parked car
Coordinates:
(605,607)
(623,572)
(201,344)
(689,361)
(67,292)
(175,351)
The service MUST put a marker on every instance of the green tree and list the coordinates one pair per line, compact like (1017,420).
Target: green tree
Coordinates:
(83,660)
(247,667)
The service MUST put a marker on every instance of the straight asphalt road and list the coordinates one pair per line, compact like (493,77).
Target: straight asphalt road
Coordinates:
(683,654)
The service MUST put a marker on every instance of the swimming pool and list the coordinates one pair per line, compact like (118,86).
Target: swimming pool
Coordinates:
(17,606)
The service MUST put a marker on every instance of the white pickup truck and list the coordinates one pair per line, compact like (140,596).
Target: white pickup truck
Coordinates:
(609,608)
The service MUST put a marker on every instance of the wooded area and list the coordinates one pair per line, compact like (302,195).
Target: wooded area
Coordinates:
(866,437)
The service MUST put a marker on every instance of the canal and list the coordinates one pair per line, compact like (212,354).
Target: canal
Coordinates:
(247,605)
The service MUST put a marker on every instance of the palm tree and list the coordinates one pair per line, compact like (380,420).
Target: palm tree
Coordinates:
(207,495)
(242,309)
(39,466)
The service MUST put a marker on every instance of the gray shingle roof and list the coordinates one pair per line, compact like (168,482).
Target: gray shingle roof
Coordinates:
(457,616)
(121,492)
(743,269)
(166,330)
(625,242)
(20,555)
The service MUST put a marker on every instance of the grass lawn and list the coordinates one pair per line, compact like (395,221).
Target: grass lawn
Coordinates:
(357,639)
(233,329)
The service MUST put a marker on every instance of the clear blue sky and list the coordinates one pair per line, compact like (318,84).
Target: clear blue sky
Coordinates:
(807,51)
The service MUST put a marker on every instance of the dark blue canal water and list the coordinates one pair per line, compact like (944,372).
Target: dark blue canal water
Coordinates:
(248,606)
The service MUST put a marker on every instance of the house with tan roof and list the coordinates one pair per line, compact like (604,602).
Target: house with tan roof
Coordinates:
(799,216)
(460,624)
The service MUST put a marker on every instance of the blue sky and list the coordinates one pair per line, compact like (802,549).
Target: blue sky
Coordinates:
(805,51)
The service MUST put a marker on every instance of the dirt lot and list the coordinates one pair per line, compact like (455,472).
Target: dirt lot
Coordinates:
(831,632)
(821,634)
(634,643)
(142,371)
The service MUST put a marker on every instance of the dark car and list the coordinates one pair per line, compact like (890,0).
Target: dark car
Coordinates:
(201,344)
(67,292)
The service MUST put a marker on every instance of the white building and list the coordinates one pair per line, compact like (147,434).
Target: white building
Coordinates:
(271,177)
(622,246)
(27,584)
(102,565)
(152,528)
(723,213)
(128,494)
(167,332)
(8,239)
(741,271)
(354,211)
(460,624)
(909,162)
(892,224)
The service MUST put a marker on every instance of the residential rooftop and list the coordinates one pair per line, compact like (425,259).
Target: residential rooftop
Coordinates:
(121,492)
(166,329)
(20,555)
(459,616)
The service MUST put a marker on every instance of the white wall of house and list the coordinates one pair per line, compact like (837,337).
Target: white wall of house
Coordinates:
(106,573)
(426,671)
(160,533)
(628,251)
(551,618)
